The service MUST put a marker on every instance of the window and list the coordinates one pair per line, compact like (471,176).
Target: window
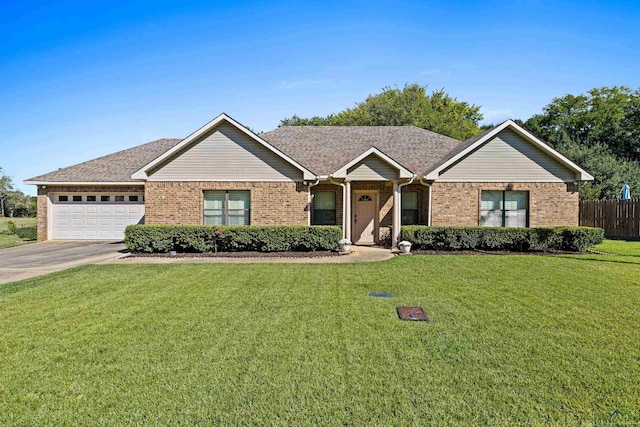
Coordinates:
(63,198)
(91,198)
(504,209)
(227,207)
(133,198)
(77,198)
(324,208)
(119,198)
(105,198)
(409,201)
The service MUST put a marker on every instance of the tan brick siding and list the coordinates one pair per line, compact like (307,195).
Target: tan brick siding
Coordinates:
(550,204)
(45,191)
(180,202)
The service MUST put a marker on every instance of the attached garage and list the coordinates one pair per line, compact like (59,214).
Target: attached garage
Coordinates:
(95,216)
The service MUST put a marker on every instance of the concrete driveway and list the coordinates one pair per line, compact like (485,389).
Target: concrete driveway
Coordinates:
(35,259)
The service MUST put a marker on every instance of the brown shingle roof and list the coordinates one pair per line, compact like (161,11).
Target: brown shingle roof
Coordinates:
(116,167)
(325,149)
(321,149)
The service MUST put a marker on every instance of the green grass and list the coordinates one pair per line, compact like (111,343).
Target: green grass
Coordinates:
(10,240)
(619,247)
(512,340)
(20,222)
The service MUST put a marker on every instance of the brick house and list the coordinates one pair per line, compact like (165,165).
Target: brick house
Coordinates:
(364,178)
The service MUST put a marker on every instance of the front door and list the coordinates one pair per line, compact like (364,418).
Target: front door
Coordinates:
(364,215)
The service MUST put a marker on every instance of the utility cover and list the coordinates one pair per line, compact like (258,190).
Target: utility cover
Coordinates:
(380,295)
(412,313)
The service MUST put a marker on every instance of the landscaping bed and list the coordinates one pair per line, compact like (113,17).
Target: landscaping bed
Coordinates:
(316,254)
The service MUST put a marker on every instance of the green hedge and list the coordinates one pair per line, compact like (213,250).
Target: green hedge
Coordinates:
(205,238)
(27,233)
(573,239)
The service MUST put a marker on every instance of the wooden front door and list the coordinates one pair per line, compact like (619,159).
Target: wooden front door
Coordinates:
(364,219)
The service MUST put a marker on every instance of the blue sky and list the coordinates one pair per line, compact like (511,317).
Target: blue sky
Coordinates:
(82,79)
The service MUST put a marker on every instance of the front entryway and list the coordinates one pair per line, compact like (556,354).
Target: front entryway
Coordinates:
(364,218)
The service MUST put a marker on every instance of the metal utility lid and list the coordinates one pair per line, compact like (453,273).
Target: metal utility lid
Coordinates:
(412,313)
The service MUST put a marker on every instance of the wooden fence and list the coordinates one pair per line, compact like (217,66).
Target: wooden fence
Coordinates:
(618,218)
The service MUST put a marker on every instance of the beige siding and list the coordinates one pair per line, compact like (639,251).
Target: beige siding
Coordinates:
(508,157)
(372,168)
(226,154)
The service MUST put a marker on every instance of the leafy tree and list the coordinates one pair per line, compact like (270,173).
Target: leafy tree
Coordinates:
(411,105)
(604,116)
(18,204)
(599,130)
(6,187)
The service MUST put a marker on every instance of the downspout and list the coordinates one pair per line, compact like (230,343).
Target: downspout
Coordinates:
(398,212)
(309,199)
(344,204)
(429,210)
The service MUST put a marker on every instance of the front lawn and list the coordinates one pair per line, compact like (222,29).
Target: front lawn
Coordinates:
(10,240)
(619,247)
(512,340)
(19,222)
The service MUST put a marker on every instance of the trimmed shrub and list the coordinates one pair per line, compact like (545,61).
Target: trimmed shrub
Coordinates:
(206,238)
(11,227)
(573,239)
(27,233)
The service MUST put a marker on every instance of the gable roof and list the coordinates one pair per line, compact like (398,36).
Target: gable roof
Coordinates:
(326,149)
(477,141)
(142,172)
(113,168)
(402,171)
(315,150)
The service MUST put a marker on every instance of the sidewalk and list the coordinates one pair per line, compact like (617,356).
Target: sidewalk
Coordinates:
(358,254)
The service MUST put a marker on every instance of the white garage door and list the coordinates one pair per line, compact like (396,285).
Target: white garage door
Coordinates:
(96,216)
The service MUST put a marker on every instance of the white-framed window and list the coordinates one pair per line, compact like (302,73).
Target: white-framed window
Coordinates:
(230,207)
(409,202)
(324,208)
(504,208)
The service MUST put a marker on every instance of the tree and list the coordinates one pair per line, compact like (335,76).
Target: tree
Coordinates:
(604,116)
(6,187)
(411,105)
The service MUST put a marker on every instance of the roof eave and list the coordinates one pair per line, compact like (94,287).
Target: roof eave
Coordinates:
(100,183)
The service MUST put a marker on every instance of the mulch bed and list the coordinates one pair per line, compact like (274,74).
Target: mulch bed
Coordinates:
(316,254)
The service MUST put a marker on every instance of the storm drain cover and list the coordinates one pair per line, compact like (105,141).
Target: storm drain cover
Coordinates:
(380,295)
(412,313)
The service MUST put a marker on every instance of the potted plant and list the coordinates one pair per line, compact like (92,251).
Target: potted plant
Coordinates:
(344,245)
(405,247)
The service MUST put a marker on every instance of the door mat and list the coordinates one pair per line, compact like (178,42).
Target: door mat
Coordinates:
(412,313)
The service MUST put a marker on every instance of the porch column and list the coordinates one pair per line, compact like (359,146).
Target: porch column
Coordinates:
(395,235)
(347,210)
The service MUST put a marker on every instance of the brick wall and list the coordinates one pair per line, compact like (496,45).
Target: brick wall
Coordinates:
(272,203)
(43,198)
(550,204)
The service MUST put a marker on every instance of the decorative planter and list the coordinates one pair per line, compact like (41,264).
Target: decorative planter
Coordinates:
(404,246)
(344,245)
